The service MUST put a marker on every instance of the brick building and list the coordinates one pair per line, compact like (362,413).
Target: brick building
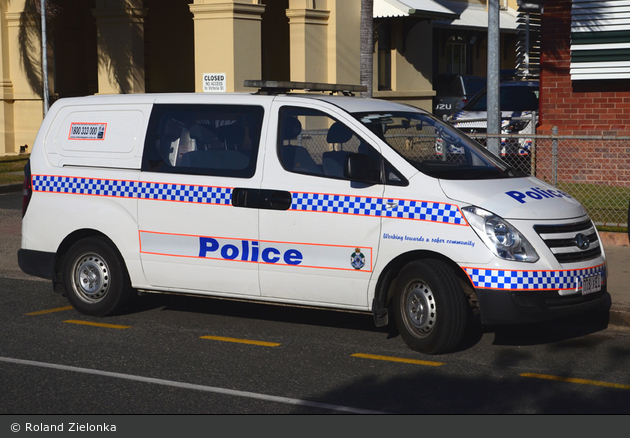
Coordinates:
(585,93)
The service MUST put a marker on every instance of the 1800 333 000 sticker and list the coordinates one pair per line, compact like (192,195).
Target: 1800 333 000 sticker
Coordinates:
(87,131)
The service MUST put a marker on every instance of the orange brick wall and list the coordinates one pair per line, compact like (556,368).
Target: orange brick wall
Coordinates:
(576,107)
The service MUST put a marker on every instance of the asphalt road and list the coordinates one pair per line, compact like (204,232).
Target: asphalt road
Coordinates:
(156,358)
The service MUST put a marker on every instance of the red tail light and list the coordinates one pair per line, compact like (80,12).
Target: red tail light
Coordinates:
(27,187)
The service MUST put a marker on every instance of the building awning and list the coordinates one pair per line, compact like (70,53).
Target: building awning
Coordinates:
(412,8)
(475,16)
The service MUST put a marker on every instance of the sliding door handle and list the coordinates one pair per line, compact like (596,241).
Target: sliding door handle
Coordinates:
(261,198)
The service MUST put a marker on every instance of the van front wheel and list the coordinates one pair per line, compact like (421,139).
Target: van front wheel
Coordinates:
(430,307)
(95,279)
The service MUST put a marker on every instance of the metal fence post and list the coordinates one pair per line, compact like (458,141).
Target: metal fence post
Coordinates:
(554,156)
(532,152)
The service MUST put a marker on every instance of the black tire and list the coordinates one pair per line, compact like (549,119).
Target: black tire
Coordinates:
(430,307)
(95,279)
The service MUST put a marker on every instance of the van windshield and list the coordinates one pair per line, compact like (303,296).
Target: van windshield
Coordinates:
(434,147)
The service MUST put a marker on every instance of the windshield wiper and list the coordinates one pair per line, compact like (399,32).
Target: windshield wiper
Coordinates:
(511,171)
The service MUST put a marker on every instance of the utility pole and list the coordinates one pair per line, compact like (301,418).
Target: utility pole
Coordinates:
(494,110)
(44,55)
(367,45)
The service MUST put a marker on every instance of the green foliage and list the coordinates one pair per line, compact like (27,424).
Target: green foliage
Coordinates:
(11,168)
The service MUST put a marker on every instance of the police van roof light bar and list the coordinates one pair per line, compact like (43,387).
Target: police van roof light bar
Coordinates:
(283,87)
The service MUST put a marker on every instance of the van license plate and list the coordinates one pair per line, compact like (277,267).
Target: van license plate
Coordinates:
(591,284)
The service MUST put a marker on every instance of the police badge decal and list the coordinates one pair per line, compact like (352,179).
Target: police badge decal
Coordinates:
(357,259)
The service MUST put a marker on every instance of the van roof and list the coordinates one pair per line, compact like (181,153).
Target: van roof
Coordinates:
(347,103)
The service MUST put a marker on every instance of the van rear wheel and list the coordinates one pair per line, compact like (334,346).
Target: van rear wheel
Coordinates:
(430,307)
(95,279)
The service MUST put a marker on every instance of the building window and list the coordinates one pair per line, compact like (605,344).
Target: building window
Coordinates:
(384,59)
(599,40)
(456,55)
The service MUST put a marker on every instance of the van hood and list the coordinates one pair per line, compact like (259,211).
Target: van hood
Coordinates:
(515,198)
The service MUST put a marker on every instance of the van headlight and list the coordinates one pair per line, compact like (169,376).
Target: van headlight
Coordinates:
(505,241)
(514,127)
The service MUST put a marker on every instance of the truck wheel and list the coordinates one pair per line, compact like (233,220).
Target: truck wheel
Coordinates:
(430,307)
(95,280)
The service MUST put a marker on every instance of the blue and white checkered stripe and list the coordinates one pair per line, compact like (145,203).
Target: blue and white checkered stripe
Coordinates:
(85,186)
(133,189)
(336,204)
(365,206)
(531,280)
(425,211)
(315,202)
(185,193)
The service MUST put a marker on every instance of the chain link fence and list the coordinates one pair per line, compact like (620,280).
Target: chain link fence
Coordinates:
(595,170)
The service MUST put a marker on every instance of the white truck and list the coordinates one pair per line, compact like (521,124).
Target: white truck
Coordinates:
(305,199)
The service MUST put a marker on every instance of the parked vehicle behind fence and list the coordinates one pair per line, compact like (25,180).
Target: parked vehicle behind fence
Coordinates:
(518,102)
(452,92)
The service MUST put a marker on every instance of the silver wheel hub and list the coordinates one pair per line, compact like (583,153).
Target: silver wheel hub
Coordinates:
(91,278)
(421,308)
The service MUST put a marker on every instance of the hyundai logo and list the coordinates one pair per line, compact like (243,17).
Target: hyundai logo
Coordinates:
(581,241)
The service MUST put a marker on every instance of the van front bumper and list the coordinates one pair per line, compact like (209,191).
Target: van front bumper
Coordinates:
(37,263)
(500,306)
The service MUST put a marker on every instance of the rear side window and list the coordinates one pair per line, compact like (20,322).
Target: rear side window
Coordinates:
(474,85)
(449,86)
(221,140)
(512,98)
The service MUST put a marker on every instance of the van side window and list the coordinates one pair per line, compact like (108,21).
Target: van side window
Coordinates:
(312,143)
(219,140)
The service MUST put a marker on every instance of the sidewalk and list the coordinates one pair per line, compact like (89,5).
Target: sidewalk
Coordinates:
(618,255)
(10,188)
(615,245)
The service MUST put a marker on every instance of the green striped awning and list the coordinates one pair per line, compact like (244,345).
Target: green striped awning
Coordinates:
(600,39)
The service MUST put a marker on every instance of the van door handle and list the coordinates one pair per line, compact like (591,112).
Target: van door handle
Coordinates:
(247,198)
(276,199)
(261,198)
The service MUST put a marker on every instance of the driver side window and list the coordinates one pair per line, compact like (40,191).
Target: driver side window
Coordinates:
(313,143)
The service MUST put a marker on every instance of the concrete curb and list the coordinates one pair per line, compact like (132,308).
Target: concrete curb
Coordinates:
(619,317)
(9,188)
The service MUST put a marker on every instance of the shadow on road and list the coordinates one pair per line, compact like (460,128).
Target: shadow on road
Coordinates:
(568,328)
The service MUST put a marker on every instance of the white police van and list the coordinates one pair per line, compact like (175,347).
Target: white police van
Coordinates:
(304,199)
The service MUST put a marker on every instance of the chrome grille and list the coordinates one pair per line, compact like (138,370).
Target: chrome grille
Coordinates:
(570,243)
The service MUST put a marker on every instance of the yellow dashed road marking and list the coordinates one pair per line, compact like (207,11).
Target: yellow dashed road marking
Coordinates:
(573,380)
(399,359)
(241,341)
(43,312)
(97,324)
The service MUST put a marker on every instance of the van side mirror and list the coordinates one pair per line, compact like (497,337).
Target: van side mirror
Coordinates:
(360,168)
